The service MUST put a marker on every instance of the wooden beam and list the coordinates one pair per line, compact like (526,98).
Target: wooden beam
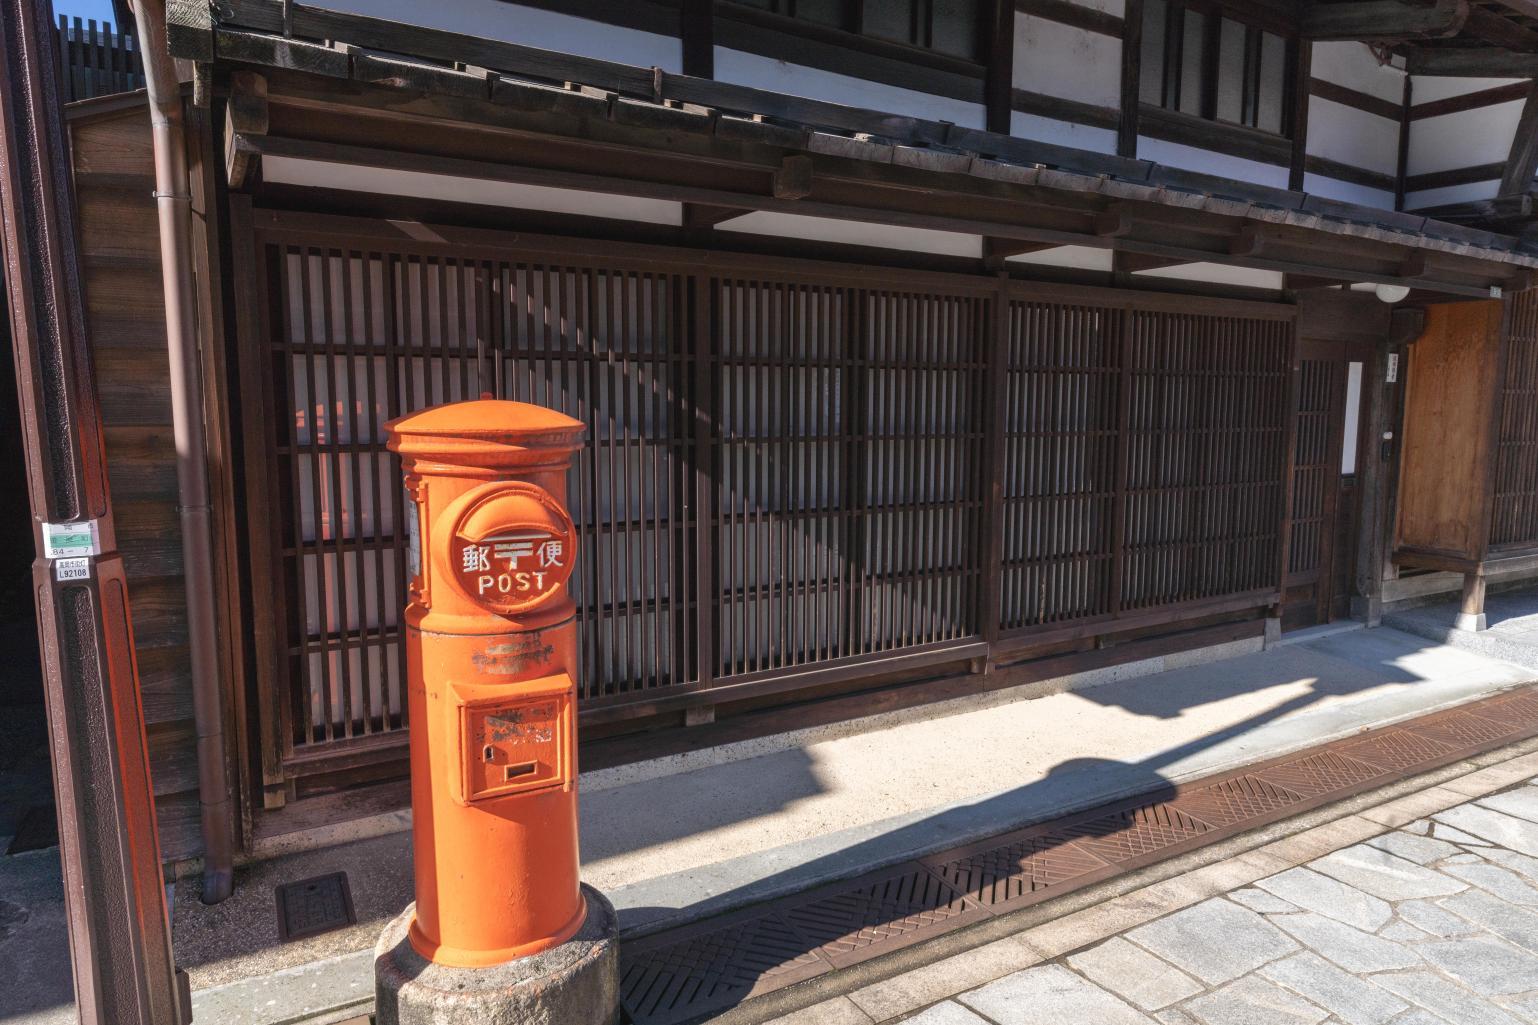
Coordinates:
(244,115)
(794,178)
(1490,27)
(868,202)
(1526,8)
(999,73)
(1402,161)
(1131,79)
(1114,223)
(1474,62)
(1385,20)
(1250,241)
(704,215)
(1302,71)
(1522,161)
(697,34)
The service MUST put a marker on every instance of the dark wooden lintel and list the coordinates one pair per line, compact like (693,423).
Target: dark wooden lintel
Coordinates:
(1385,20)
(1472,62)
(1150,230)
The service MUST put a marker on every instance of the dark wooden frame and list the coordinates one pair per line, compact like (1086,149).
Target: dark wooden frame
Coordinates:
(1294,66)
(282,765)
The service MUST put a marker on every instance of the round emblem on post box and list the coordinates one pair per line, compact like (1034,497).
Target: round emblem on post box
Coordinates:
(512,547)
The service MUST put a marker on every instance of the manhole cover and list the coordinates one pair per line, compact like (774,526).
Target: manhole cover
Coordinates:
(310,907)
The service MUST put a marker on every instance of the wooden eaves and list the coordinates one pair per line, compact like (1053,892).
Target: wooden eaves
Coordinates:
(558,120)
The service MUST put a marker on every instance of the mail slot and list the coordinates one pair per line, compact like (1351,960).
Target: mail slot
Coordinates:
(491,684)
(511,744)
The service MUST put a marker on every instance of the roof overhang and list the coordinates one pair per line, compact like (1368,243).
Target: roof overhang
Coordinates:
(547,119)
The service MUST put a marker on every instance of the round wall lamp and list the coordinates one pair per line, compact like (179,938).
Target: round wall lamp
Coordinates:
(1391,293)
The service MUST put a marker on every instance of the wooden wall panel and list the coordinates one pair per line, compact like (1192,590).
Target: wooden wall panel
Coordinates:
(114,179)
(1448,398)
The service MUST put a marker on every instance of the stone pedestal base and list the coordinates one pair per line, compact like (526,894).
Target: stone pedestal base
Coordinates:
(576,983)
(1473,622)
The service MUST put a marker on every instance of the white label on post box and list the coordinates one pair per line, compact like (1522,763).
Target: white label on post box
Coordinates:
(1393,368)
(72,569)
(413,537)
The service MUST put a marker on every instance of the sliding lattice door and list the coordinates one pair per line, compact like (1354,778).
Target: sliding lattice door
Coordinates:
(847,489)
(788,475)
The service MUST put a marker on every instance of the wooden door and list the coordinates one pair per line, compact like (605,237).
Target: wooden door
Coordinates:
(1326,502)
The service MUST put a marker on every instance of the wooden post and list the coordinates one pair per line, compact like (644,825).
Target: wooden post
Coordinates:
(1302,70)
(120,942)
(697,31)
(1131,78)
(995,420)
(999,75)
(1471,613)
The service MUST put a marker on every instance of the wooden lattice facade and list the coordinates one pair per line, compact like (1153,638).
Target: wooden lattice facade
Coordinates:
(1514,513)
(789,477)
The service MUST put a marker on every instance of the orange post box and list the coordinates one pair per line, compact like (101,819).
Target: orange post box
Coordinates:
(491,651)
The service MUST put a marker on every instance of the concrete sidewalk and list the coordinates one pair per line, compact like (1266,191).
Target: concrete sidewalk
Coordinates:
(695,835)
(699,842)
(687,836)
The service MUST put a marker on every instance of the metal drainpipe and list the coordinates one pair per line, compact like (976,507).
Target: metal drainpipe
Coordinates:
(173,202)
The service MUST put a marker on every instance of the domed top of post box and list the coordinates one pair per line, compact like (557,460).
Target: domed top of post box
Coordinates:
(485,432)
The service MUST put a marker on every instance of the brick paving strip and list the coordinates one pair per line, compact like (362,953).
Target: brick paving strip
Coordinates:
(1250,958)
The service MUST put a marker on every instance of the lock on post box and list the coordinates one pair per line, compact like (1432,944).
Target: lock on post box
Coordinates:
(491,688)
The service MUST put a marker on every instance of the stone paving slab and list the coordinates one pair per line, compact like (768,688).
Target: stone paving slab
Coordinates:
(1405,928)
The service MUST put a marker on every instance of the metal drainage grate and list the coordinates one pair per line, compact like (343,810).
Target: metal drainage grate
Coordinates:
(310,907)
(686,974)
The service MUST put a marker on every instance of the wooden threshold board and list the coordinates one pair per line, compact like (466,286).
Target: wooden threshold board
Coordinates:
(689,973)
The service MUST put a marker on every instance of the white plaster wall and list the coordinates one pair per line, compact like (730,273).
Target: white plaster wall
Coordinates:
(323,174)
(1353,65)
(531,26)
(1218,274)
(1074,257)
(1467,138)
(1347,192)
(1352,136)
(758,72)
(1060,60)
(886,236)
(1062,133)
(1451,194)
(1210,162)
(1427,88)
